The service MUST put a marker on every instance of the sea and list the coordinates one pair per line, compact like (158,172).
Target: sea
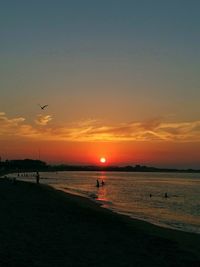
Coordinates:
(170,200)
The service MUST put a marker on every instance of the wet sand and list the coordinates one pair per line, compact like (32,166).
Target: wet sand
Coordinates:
(41,226)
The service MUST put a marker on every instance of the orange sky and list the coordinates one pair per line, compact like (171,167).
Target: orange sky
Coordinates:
(154,142)
(161,154)
(120,80)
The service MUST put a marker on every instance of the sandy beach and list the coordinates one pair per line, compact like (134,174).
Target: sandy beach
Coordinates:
(41,226)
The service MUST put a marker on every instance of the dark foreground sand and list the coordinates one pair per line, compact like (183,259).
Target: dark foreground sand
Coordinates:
(40,226)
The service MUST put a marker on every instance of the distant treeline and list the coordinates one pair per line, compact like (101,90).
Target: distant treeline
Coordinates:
(22,165)
(136,168)
(28,165)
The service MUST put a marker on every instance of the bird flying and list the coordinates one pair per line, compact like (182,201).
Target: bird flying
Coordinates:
(43,107)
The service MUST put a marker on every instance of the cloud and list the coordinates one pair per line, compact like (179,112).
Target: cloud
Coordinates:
(9,126)
(152,130)
(15,127)
(43,119)
(10,122)
(93,130)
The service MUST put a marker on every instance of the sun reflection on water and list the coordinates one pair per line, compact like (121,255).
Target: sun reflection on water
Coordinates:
(102,190)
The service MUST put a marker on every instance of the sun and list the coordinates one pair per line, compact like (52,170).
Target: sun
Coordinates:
(102,160)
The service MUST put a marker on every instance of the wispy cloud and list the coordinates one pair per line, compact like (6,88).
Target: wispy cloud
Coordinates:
(43,119)
(15,127)
(93,130)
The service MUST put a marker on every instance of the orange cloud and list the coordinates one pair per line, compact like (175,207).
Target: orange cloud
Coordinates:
(43,119)
(9,126)
(93,130)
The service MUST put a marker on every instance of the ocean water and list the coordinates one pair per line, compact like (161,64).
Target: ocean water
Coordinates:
(129,193)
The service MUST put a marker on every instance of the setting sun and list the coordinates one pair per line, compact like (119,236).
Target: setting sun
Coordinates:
(103,160)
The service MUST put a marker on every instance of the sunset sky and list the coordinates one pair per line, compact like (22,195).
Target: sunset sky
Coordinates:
(121,79)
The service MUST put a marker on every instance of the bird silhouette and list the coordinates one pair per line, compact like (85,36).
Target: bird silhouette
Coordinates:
(43,107)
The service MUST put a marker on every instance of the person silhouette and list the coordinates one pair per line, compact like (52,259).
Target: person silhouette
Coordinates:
(37,178)
(97,185)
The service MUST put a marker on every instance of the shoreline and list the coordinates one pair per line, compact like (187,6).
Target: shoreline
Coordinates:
(41,225)
(101,204)
(127,218)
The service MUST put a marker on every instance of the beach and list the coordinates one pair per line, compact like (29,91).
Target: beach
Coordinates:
(41,226)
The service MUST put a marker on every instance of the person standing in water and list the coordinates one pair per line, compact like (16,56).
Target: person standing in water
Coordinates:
(37,178)
(97,185)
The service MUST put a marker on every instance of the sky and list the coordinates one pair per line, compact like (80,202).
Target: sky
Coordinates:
(121,80)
